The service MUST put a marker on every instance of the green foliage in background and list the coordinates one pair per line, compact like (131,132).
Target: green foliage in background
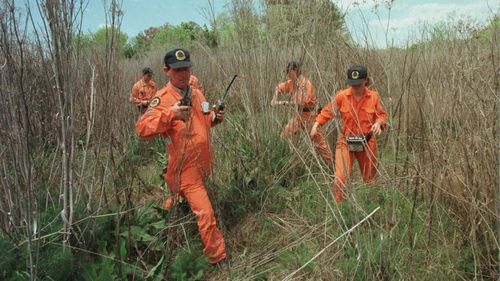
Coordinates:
(99,41)
(181,34)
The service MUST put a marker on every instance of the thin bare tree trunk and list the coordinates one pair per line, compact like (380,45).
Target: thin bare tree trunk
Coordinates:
(13,47)
(60,16)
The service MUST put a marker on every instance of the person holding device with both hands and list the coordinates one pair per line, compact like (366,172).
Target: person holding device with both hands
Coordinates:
(179,113)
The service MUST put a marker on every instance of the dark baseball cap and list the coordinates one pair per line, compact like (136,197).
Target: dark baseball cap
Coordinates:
(356,75)
(147,71)
(292,65)
(177,58)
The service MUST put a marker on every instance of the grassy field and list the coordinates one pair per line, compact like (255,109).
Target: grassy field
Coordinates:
(81,197)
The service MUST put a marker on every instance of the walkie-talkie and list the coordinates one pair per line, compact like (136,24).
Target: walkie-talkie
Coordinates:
(220,103)
(186,98)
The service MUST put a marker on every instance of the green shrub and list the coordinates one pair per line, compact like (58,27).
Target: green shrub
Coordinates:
(56,263)
(10,260)
(189,265)
(255,174)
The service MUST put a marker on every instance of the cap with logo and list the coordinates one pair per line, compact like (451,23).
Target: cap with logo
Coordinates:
(356,75)
(177,58)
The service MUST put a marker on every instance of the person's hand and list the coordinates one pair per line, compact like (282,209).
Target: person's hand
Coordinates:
(219,115)
(376,129)
(181,112)
(314,130)
(281,102)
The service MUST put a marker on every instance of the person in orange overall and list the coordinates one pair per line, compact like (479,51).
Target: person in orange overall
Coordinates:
(300,92)
(180,114)
(363,118)
(143,90)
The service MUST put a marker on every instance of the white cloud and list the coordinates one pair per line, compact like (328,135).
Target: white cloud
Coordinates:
(431,13)
(399,23)
(346,5)
(407,16)
(440,11)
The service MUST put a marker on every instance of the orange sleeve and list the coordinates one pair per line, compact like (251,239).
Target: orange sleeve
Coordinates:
(152,91)
(381,115)
(326,114)
(310,96)
(195,83)
(134,98)
(329,111)
(281,88)
(154,122)
(155,89)
(213,121)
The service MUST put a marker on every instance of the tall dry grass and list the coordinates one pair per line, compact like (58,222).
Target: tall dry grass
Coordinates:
(438,159)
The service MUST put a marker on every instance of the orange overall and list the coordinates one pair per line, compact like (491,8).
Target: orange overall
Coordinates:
(189,159)
(357,120)
(143,91)
(305,98)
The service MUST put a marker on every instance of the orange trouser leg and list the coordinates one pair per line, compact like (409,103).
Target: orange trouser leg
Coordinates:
(196,195)
(322,148)
(304,122)
(171,200)
(343,168)
(368,162)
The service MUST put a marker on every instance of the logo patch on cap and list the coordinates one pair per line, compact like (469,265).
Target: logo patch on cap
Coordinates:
(355,74)
(179,55)
(154,102)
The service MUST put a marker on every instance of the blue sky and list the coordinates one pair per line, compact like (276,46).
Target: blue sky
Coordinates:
(141,14)
(362,16)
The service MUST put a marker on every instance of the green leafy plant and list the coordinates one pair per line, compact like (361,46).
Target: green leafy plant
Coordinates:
(189,265)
